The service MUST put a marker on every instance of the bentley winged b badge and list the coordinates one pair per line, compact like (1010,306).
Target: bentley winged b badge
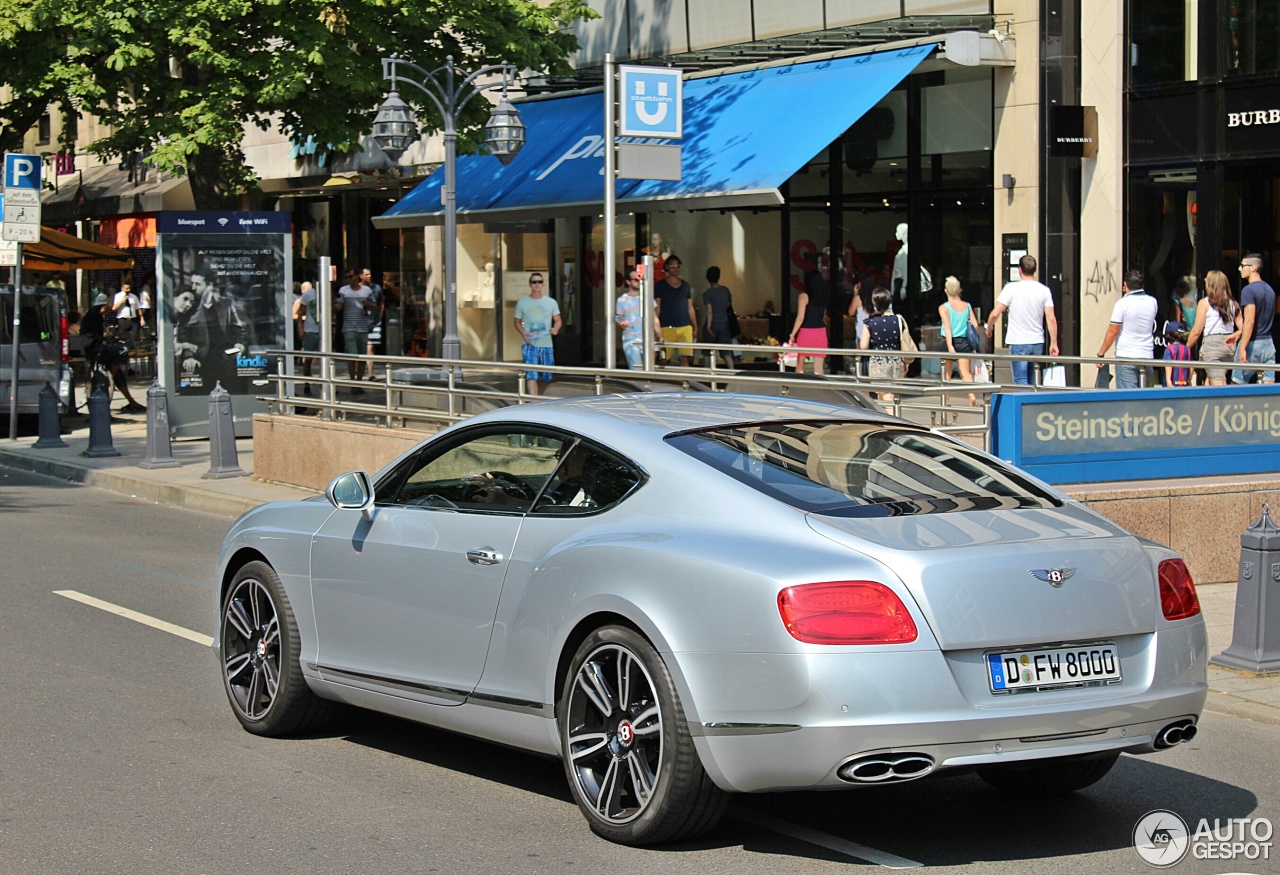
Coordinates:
(1055,577)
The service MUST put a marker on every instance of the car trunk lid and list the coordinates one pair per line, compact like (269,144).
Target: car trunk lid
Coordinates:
(1011,577)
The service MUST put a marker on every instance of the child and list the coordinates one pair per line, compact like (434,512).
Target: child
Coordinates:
(1175,349)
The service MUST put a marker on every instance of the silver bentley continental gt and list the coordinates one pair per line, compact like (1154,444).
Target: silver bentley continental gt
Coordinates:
(685,596)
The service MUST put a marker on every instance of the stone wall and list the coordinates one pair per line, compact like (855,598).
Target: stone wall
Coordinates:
(307,451)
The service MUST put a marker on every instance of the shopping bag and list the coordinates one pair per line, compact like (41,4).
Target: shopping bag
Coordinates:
(1054,375)
(906,342)
(788,360)
(1103,380)
(980,372)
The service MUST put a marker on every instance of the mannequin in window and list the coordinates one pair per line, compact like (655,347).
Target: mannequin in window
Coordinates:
(899,278)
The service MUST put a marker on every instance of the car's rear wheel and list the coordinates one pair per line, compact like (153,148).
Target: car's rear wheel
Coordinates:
(627,751)
(261,671)
(1053,777)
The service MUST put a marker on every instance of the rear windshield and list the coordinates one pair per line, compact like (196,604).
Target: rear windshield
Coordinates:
(858,469)
(40,316)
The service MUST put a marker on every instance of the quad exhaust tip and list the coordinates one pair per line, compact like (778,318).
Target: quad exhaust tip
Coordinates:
(1175,733)
(887,768)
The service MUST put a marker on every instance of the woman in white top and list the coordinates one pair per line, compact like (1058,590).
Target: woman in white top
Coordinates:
(957,316)
(1217,326)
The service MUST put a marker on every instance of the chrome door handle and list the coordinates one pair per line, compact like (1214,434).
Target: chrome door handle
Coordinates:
(484,556)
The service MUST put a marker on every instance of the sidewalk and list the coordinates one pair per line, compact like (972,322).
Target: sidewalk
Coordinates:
(1230,692)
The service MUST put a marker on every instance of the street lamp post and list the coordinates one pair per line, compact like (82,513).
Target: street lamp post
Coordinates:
(395,128)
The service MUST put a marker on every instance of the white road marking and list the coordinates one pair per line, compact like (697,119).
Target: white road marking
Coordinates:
(135,616)
(830,842)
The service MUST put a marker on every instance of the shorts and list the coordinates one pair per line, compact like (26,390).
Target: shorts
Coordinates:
(355,342)
(678,334)
(537,355)
(1213,348)
(961,343)
(311,341)
(815,337)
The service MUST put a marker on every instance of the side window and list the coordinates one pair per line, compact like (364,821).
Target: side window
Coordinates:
(588,480)
(497,471)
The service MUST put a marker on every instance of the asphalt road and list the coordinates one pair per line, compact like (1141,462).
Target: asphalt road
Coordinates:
(120,754)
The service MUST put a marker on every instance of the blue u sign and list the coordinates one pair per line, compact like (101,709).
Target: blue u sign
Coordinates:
(652,102)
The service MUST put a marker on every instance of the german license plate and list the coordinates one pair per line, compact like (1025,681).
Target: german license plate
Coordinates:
(1027,670)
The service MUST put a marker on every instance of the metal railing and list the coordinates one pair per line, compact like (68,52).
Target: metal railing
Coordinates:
(434,392)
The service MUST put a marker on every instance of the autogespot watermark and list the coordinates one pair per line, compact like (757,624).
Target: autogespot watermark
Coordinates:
(1162,839)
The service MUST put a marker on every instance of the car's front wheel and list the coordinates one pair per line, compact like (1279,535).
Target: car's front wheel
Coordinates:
(1053,777)
(627,751)
(261,671)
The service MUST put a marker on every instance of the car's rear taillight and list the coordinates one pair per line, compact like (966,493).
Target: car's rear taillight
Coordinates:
(1177,591)
(66,342)
(845,612)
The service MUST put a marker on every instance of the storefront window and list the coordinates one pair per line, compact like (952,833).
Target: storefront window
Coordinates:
(1162,41)
(1162,239)
(1253,36)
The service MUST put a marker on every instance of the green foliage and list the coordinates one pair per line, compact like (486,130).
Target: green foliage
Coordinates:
(179,79)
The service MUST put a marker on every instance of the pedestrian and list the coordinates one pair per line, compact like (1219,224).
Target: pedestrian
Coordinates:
(1217,326)
(354,305)
(674,299)
(627,313)
(858,310)
(375,315)
(883,330)
(717,304)
(146,323)
(125,306)
(957,318)
(537,320)
(1257,310)
(1132,328)
(1030,307)
(305,311)
(110,355)
(1176,350)
(810,328)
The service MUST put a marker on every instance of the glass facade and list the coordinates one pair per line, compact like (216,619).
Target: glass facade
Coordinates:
(1203,139)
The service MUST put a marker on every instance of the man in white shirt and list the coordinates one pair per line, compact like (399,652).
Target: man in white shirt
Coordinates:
(1030,307)
(1133,320)
(125,306)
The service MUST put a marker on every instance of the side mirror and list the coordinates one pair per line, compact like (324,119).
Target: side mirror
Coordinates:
(352,491)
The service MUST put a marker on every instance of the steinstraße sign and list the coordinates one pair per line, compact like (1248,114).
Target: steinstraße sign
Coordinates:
(1139,434)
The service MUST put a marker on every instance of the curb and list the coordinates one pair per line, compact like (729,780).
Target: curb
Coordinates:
(186,497)
(1234,706)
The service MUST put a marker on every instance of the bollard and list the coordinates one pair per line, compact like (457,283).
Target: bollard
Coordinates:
(222,437)
(1255,644)
(159,450)
(100,426)
(50,424)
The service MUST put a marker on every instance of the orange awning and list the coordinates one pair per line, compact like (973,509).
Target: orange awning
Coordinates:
(58,251)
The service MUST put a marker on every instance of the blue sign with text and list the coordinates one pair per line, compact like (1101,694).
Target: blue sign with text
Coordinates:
(652,102)
(1139,434)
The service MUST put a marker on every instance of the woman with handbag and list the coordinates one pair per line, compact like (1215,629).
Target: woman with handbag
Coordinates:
(883,330)
(1217,326)
(959,333)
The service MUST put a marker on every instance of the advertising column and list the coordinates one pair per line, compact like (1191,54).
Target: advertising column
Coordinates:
(223,304)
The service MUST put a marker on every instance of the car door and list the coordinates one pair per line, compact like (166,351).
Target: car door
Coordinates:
(405,602)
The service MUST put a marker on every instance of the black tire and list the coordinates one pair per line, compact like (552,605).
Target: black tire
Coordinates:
(1054,777)
(629,758)
(261,671)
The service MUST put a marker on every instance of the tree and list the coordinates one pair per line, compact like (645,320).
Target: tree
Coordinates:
(178,80)
(38,69)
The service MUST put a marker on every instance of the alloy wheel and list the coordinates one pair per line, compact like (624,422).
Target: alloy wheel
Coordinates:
(251,648)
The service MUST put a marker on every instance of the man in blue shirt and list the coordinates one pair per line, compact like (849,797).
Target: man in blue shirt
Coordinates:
(538,320)
(1258,309)
(674,300)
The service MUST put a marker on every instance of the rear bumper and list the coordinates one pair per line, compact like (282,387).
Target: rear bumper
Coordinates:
(830,709)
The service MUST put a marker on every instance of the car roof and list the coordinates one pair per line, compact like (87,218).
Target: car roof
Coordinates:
(668,412)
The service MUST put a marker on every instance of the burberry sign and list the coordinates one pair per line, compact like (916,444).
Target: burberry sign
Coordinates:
(1253,117)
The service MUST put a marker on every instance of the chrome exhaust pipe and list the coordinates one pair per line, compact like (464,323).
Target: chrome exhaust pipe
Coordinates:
(887,768)
(1175,733)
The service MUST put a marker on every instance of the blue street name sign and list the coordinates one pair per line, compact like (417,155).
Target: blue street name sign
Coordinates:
(652,102)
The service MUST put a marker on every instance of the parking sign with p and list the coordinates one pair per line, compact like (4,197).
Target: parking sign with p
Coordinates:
(21,198)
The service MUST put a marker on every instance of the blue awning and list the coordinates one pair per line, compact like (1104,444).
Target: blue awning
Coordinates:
(745,135)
